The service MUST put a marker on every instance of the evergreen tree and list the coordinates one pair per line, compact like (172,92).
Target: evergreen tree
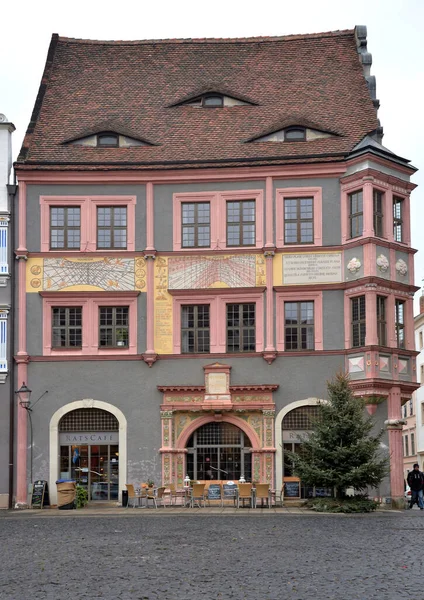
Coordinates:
(340,451)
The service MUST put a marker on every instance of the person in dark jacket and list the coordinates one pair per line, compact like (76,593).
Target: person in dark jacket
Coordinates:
(416,483)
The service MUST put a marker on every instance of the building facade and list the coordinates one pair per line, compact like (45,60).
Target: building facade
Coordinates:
(419,393)
(201,247)
(6,264)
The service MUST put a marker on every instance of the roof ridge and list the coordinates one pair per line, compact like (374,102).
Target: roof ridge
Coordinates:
(252,39)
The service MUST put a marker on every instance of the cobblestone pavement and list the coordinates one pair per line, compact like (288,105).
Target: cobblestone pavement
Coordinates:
(149,554)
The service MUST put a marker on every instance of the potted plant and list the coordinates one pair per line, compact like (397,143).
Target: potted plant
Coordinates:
(150,483)
(122,337)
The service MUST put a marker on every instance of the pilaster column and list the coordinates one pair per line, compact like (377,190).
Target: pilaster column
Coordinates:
(394,425)
(21,437)
(150,356)
(166,450)
(149,217)
(368,230)
(269,204)
(269,354)
(371,337)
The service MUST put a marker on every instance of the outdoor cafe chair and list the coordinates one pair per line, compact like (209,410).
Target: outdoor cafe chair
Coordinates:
(198,493)
(263,493)
(278,496)
(132,496)
(150,495)
(170,492)
(244,493)
(160,496)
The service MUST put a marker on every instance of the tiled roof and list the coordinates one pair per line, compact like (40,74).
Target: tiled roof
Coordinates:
(315,78)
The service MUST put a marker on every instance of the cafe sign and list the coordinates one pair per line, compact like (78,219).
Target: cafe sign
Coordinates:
(296,436)
(89,438)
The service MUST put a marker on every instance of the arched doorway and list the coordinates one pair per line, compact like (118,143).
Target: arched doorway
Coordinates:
(89,451)
(219,450)
(82,417)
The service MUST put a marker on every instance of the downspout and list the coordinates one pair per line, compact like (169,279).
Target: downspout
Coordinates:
(11,189)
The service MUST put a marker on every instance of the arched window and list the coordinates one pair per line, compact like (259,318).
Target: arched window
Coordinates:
(219,451)
(296,424)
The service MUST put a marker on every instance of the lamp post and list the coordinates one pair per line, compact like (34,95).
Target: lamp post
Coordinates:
(24,397)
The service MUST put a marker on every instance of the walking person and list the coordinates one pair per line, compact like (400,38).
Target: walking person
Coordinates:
(416,483)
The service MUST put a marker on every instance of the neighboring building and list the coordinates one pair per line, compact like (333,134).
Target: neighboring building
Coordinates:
(6,264)
(419,394)
(409,436)
(208,231)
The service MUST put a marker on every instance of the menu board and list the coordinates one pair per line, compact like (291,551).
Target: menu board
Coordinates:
(214,491)
(229,490)
(40,494)
(292,489)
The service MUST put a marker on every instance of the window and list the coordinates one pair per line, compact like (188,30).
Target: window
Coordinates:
(108,140)
(113,327)
(196,224)
(67,327)
(65,223)
(412,444)
(4,312)
(299,325)
(241,336)
(381,321)
(195,329)
(112,227)
(213,101)
(421,373)
(400,323)
(358,321)
(241,223)
(298,220)
(411,410)
(295,134)
(420,339)
(404,411)
(377,199)
(356,214)
(397,219)
(406,446)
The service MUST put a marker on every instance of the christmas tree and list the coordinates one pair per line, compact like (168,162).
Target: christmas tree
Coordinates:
(341,451)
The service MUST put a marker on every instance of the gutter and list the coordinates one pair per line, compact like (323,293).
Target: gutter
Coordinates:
(11,190)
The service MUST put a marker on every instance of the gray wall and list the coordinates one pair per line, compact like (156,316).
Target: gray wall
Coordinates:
(33,206)
(132,387)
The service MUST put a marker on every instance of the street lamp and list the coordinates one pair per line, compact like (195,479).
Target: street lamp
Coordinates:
(24,397)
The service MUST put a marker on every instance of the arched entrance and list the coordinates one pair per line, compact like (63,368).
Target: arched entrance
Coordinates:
(219,451)
(284,433)
(89,451)
(88,442)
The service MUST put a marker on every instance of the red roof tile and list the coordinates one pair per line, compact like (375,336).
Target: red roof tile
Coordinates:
(315,78)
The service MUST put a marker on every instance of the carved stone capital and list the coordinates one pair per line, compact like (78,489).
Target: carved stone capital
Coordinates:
(395,423)
(166,414)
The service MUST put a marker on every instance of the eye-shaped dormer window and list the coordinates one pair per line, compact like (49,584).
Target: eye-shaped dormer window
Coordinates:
(295,134)
(213,101)
(107,140)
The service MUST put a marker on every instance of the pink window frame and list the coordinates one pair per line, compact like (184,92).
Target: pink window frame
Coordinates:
(304,192)
(218,320)
(88,204)
(218,215)
(90,323)
(316,298)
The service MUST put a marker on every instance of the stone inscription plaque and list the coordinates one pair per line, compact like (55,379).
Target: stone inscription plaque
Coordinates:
(320,267)
(217,383)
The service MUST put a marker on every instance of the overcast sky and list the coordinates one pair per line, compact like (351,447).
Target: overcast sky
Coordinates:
(395,39)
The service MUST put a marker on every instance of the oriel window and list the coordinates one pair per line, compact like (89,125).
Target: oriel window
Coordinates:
(398,219)
(241,223)
(241,331)
(195,329)
(196,224)
(381,321)
(112,227)
(378,212)
(356,214)
(298,221)
(65,227)
(67,327)
(358,322)
(400,323)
